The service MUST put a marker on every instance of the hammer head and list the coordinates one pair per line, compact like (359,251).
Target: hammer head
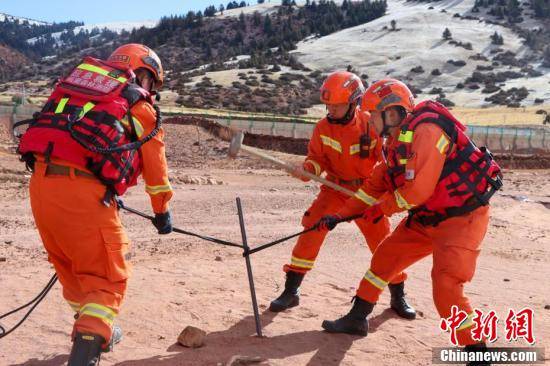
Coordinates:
(235,144)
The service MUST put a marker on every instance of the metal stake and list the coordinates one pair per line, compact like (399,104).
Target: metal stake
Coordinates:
(249,270)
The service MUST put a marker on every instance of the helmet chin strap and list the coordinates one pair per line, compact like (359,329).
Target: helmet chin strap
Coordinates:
(347,117)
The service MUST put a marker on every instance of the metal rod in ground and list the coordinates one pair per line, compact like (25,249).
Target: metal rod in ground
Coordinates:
(249,270)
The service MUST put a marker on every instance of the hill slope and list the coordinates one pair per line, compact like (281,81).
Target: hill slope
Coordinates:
(272,58)
(378,51)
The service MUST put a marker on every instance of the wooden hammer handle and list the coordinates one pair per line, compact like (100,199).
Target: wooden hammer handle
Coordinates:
(286,166)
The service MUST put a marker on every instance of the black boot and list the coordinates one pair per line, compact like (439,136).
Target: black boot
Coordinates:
(86,350)
(354,322)
(479,347)
(398,302)
(290,296)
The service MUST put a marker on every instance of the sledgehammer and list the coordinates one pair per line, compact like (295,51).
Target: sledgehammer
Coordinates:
(237,144)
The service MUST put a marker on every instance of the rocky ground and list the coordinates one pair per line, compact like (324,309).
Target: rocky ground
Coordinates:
(179,281)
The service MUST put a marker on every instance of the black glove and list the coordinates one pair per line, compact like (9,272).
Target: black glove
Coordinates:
(119,203)
(163,222)
(328,222)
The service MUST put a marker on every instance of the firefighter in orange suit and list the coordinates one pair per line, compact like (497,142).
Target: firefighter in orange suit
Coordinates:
(72,187)
(436,173)
(346,148)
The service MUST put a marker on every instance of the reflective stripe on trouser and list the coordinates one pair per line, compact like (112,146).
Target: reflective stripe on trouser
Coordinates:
(307,248)
(99,311)
(86,244)
(455,245)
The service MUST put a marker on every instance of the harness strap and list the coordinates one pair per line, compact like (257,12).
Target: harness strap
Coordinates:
(462,156)
(434,218)
(99,117)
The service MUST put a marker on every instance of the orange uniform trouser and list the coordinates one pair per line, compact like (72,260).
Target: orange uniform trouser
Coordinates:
(307,248)
(455,244)
(86,244)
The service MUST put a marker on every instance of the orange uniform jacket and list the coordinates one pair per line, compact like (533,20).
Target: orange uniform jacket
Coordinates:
(429,148)
(153,158)
(335,149)
(155,168)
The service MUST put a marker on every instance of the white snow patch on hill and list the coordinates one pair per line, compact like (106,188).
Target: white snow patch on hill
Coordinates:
(231,62)
(225,78)
(117,27)
(3,16)
(380,52)
(263,9)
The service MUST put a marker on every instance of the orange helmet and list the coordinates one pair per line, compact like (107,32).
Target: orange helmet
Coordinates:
(137,56)
(386,93)
(341,87)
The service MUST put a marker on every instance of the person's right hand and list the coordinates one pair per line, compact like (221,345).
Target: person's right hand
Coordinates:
(297,172)
(328,222)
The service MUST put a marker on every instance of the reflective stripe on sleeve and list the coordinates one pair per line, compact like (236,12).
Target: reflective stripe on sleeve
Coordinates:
(158,189)
(401,202)
(315,165)
(362,196)
(331,143)
(442,144)
(137,124)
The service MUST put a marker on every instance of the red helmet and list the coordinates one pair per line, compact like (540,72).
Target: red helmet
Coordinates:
(341,87)
(137,56)
(387,93)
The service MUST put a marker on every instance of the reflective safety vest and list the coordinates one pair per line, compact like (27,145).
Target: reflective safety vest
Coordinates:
(87,121)
(469,177)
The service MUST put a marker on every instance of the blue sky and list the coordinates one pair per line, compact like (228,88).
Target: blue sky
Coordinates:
(102,11)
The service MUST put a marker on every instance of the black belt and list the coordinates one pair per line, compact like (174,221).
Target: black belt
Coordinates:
(53,169)
(435,218)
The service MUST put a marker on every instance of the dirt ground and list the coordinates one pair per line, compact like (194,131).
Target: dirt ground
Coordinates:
(179,280)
